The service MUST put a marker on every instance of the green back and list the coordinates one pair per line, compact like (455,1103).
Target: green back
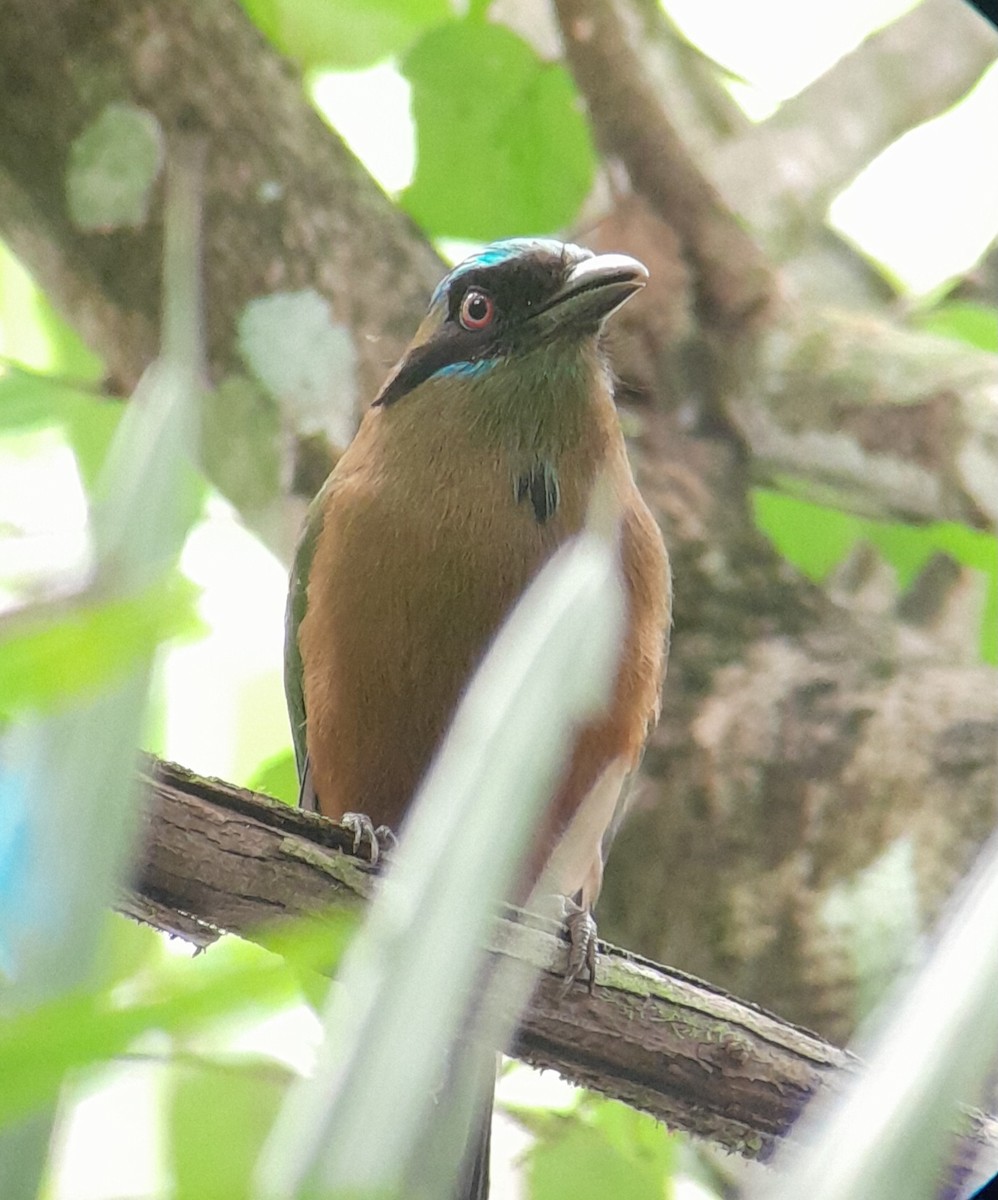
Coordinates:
(297,604)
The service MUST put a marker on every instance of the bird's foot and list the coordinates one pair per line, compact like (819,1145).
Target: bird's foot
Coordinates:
(582,946)
(379,842)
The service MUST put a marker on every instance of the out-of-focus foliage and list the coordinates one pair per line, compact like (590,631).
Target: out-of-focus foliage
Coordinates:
(597,1149)
(33,334)
(67,777)
(816,539)
(219,1115)
(503,147)
(38,1048)
(88,421)
(277,777)
(345,34)
(965,321)
(509,153)
(48,657)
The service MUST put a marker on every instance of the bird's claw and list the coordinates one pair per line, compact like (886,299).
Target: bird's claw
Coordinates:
(582,944)
(379,841)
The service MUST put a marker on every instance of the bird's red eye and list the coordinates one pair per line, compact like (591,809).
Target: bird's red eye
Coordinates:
(477,310)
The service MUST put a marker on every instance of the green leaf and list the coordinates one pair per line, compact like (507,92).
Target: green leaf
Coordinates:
(67,781)
(927,1052)
(605,1149)
(89,421)
(219,1116)
(277,777)
(815,538)
(502,145)
(33,333)
(964,321)
(345,34)
(38,1047)
(49,656)
(129,948)
(312,944)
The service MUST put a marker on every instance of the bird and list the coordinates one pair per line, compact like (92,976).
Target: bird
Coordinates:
(475,462)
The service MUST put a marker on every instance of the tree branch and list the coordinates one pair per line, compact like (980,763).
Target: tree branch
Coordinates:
(216,857)
(874,419)
(782,175)
(733,278)
(289,207)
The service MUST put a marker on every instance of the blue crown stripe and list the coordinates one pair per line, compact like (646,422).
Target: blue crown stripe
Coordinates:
(491,256)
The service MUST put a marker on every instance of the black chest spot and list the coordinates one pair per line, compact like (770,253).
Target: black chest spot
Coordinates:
(539,486)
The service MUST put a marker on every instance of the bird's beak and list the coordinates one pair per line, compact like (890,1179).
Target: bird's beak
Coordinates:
(593,289)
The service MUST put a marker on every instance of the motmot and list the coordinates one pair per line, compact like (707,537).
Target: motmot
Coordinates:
(476,460)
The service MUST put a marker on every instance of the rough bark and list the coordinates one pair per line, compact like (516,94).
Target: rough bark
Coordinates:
(215,857)
(814,743)
(810,738)
(272,170)
(860,414)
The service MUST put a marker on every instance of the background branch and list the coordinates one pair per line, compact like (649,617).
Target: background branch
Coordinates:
(874,419)
(288,210)
(782,174)
(629,117)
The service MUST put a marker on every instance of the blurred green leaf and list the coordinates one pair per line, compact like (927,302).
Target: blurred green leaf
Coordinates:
(150,491)
(816,538)
(38,1047)
(67,780)
(929,1050)
(963,320)
(603,1149)
(502,145)
(29,401)
(33,333)
(277,777)
(48,659)
(345,34)
(312,947)
(219,1115)
(130,947)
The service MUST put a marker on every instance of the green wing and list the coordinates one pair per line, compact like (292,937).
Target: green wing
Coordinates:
(293,683)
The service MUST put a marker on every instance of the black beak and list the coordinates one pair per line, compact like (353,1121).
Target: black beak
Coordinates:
(593,289)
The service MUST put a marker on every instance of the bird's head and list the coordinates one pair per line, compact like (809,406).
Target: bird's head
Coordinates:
(516,310)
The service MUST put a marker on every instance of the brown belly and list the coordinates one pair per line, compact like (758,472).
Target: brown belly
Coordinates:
(404,600)
(402,607)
